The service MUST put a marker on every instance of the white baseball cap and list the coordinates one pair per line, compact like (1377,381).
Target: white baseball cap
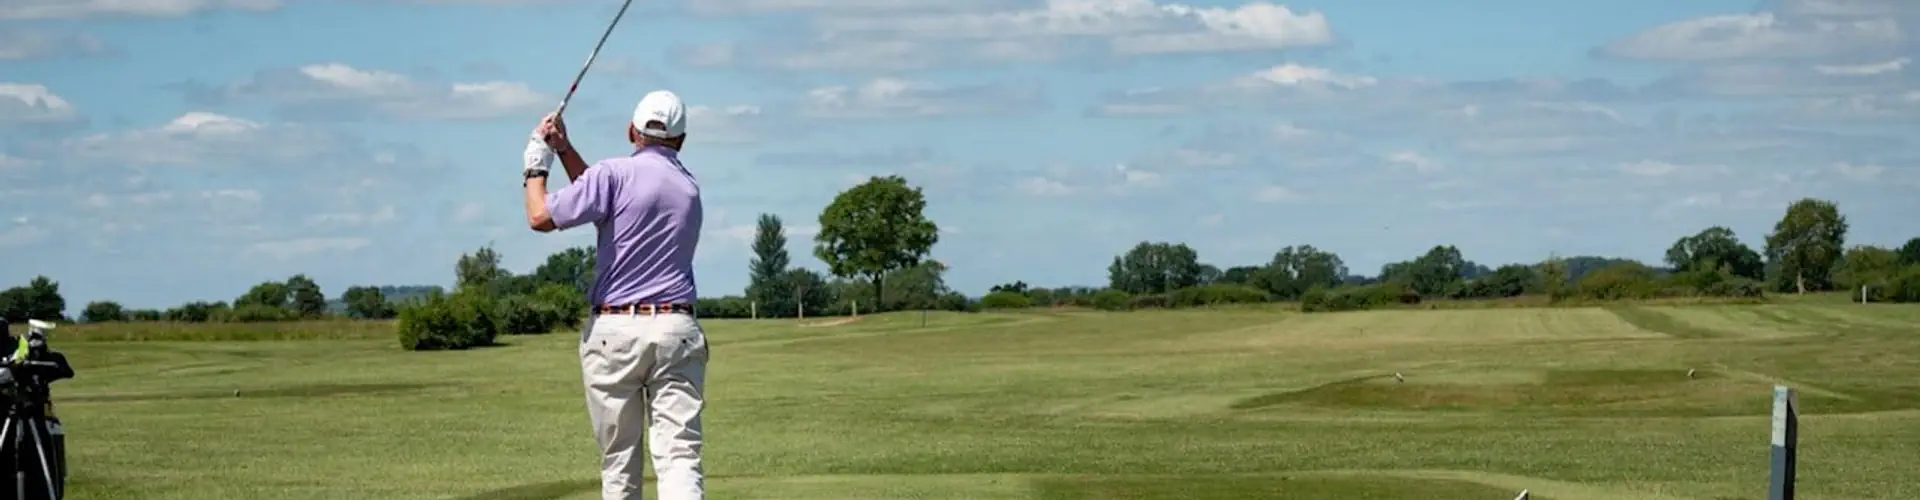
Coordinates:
(664,107)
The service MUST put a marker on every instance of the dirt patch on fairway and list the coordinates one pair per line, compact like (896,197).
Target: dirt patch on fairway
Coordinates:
(1594,393)
(836,322)
(289,391)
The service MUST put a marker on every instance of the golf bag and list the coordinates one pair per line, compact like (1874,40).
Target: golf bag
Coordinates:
(33,447)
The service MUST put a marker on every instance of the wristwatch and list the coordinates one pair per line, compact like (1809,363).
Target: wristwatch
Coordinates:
(530,174)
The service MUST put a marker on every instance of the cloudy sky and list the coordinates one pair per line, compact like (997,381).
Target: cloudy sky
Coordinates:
(161,151)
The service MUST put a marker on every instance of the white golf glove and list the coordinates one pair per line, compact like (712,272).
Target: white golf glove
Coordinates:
(538,156)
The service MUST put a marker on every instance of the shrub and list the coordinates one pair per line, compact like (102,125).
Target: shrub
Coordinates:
(1321,299)
(569,306)
(1904,286)
(732,306)
(1005,300)
(1112,300)
(1735,287)
(458,321)
(523,315)
(1619,281)
(1156,301)
(1210,295)
(254,313)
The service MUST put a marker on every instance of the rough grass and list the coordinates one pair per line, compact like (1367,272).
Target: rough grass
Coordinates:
(1571,403)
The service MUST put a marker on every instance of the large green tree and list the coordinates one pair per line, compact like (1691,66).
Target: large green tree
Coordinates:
(1806,245)
(479,269)
(40,299)
(1714,249)
(768,266)
(306,299)
(572,267)
(873,228)
(1296,269)
(1155,267)
(367,302)
(1910,252)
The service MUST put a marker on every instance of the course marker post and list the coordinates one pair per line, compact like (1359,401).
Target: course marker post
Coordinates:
(1786,442)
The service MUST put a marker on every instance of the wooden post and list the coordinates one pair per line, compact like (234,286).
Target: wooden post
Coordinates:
(754,306)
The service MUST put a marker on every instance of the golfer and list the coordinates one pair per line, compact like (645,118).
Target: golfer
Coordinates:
(643,355)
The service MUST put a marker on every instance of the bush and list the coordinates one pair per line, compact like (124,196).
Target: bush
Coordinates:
(569,306)
(1735,287)
(1619,281)
(1112,300)
(1157,301)
(458,321)
(1220,294)
(256,313)
(523,315)
(1005,300)
(1904,286)
(724,307)
(1321,299)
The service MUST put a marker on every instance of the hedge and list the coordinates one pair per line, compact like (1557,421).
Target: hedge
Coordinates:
(1005,300)
(458,321)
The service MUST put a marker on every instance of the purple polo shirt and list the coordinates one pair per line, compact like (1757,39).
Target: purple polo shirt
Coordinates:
(646,209)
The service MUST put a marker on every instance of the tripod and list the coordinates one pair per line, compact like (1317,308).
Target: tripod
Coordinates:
(32,445)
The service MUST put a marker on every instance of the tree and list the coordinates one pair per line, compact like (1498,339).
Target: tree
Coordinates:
(1155,267)
(873,228)
(768,266)
(1296,269)
(1867,265)
(307,300)
(573,267)
(1910,252)
(1806,244)
(103,311)
(478,269)
(40,299)
(271,294)
(1016,287)
(1714,249)
(811,293)
(367,302)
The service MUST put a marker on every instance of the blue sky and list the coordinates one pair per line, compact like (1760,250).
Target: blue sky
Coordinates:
(160,151)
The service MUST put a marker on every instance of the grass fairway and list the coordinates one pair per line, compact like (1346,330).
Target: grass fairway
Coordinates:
(1573,404)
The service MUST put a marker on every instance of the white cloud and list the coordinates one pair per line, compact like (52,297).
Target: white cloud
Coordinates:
(1275,194)
(1419,163)
(283,250)
(1762,35)
(200,138)
(1042,186)
(1890,66)
(1859,172)
(341,91)
(1056,30)
(76,9)
(896,98)
(379,216)
(27,103)
(22,44)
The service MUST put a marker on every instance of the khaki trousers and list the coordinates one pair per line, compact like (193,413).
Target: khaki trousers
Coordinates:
(646,373)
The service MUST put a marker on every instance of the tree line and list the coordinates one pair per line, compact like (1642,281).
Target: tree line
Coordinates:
(875,239)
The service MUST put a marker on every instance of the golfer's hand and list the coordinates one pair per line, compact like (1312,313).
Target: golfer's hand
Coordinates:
(553,130)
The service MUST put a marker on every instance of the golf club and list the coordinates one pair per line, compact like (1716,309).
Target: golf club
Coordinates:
(590,58)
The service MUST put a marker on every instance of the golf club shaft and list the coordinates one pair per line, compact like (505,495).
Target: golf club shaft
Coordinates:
(591,57)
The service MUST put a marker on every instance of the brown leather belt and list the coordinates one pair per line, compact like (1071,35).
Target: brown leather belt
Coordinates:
(644,309)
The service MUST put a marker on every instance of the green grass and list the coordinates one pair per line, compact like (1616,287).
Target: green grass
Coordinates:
(1570,403)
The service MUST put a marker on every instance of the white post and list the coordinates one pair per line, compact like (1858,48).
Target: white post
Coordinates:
(856,308)
(755,307)
(1863,294)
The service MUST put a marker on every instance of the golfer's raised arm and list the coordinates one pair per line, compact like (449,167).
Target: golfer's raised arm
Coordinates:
(574,164)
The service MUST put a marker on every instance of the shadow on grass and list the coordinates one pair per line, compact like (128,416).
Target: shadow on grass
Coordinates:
(1242,487)
(292,391)
(1657,322)
(539,491)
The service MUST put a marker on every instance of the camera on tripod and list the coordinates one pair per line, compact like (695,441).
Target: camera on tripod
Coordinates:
(33,447)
